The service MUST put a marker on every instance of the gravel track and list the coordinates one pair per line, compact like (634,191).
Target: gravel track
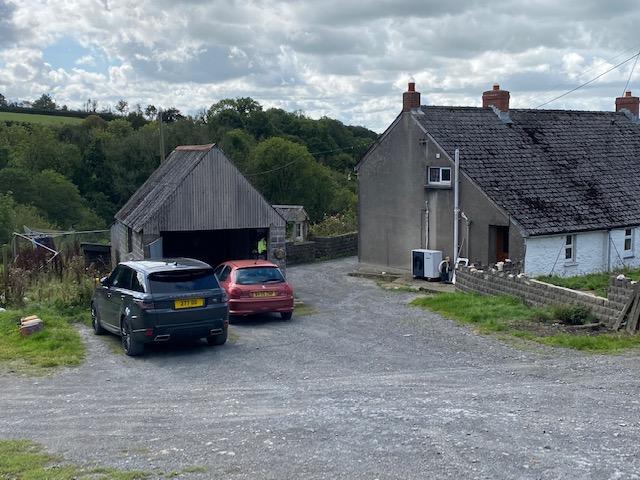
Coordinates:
(366,387)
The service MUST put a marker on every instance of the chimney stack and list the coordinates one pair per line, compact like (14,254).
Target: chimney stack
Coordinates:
(497,98)
(410,98)
(630,103)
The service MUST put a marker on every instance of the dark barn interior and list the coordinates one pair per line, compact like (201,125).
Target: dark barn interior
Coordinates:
(213,246)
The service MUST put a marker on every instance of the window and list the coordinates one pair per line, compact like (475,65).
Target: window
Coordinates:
(570,248)
(299,227)
(123,278)
(129,240)
(258,275)
(628,241)
(182,281)
(137,282)
(439,176)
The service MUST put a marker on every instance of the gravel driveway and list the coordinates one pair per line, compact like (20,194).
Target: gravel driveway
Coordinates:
(366,387)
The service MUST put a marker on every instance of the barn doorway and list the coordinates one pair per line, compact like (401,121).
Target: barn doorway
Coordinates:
(498,243)
(213,246)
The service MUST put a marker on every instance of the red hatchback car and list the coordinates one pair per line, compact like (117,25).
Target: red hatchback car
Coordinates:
(255,286)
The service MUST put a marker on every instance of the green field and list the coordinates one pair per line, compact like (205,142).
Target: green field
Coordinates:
(34,118)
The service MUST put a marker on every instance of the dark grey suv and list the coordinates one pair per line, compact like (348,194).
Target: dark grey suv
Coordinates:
(160,300)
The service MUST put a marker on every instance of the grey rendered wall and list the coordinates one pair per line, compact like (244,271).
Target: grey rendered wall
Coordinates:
(391,197)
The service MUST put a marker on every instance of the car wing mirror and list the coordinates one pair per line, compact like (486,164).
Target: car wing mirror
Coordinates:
(104,281)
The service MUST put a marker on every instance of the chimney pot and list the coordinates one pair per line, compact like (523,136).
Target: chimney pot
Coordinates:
(497,98)
(629,102)
(410,98)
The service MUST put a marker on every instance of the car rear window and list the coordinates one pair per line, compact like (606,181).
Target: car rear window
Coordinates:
(257,275)
(182,281)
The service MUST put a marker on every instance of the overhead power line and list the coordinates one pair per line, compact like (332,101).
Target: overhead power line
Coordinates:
(590,81)
(626,85)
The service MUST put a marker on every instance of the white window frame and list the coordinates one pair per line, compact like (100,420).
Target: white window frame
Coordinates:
(570,245)
(628,236)
(298,231)
(439,182)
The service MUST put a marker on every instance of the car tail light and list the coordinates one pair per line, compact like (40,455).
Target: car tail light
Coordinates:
(144,305)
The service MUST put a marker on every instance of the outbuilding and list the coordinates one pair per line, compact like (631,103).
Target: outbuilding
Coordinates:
(197,204)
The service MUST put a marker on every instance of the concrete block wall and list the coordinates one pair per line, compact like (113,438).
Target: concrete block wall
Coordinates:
(536,293)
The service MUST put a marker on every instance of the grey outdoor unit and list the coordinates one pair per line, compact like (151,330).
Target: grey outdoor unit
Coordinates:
(425,263)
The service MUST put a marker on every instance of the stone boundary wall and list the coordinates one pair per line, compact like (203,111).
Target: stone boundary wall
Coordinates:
(339,246)
(322,248)
(302,252)
(536,293)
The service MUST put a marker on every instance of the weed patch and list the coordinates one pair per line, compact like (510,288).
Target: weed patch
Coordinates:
(596,283)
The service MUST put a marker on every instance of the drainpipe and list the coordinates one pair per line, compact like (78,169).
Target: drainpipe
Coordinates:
(426,224)
(467,222)
(456,212)
(608,250)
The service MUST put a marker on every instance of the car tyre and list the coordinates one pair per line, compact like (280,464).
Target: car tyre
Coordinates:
(95,321)
(286,315)
(131,347)
(220,339)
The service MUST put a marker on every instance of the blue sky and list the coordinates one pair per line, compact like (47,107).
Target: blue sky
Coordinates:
(341,58)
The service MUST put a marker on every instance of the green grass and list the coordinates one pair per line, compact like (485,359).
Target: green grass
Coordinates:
(21,459)
(57,345)
(593,282)
(35,118)
(508,316)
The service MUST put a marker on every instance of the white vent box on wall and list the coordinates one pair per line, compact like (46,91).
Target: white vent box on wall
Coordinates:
(424,263)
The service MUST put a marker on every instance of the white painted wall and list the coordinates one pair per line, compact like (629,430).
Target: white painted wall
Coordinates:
(594,252)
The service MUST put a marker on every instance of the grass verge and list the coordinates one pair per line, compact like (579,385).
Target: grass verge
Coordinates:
(596,283)
(57,345)
(27,460)
(508,316)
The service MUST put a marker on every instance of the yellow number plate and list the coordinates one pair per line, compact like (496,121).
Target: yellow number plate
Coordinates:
(189,303)
(263,294)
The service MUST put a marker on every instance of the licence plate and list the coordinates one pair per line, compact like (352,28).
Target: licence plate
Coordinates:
(189,303)
(263,294)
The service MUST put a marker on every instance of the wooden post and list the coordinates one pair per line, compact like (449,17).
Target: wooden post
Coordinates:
(5,269)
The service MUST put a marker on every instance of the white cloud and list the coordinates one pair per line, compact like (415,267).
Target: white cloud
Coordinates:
(342,58)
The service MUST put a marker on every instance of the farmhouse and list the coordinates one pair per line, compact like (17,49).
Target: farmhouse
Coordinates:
(197,204)
(555,191)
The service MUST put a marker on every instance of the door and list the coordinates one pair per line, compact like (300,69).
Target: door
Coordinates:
(116,295)
(498,243)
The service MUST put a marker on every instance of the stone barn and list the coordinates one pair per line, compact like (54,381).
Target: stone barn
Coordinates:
(197,204)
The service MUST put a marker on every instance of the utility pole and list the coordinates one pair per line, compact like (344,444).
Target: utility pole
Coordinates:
(161,136)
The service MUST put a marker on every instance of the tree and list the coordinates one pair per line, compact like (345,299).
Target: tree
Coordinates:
(171,114)
(45,102)
(237,145)
(150,112)
(122,106)
(3,101)
(91,105)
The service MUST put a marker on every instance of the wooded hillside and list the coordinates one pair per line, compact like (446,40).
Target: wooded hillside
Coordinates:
(78,176)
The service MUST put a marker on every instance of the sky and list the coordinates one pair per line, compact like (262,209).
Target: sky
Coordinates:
(346,59)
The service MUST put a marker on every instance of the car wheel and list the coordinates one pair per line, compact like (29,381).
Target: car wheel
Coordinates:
(220,339)
(130,346)
(95,321)
(286,315)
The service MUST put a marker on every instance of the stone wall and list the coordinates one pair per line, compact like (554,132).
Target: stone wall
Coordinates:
(300,252)
(338,246)
(322,248)
(536,293)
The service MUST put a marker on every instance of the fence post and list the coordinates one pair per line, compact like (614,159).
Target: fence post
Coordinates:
(5,270)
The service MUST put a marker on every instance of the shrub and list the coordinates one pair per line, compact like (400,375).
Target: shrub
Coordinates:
(337,224)
(573,314)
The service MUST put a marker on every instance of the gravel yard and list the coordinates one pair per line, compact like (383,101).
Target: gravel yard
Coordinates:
(364,387)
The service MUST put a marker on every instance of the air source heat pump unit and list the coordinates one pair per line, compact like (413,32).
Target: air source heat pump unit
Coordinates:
(424,263)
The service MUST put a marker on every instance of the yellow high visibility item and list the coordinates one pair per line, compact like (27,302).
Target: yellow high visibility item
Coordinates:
(262,245)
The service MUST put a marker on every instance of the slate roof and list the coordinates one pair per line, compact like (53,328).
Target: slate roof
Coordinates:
(292,213)
(161,184)
(553,171)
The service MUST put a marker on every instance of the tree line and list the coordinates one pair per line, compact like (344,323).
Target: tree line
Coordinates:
(77,176)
